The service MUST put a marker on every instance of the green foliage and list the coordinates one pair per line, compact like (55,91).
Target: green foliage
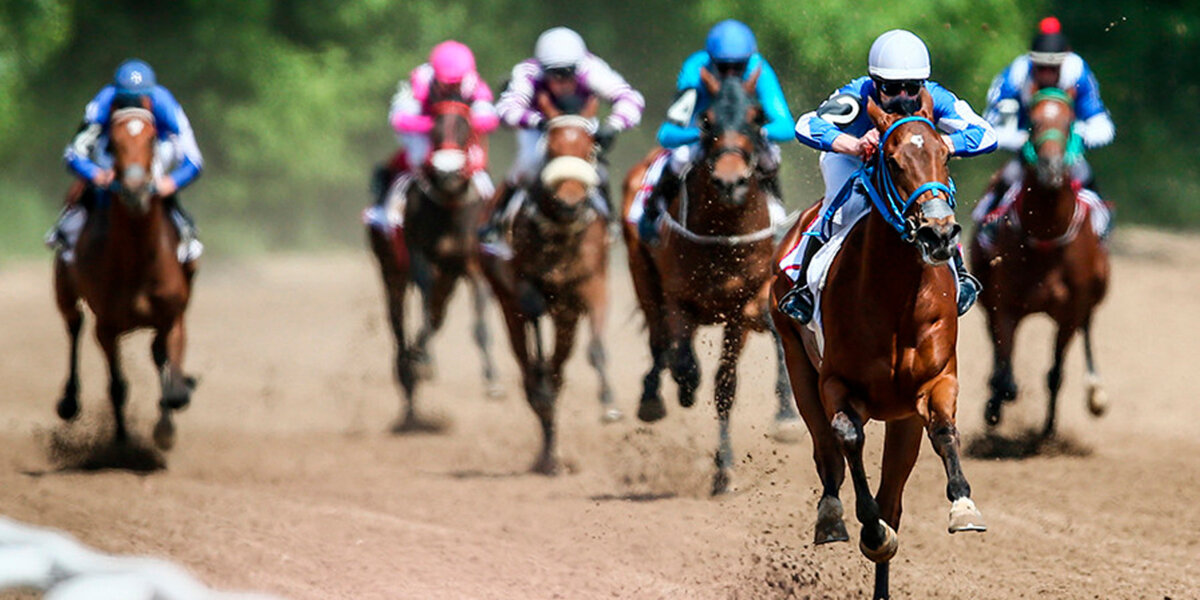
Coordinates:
(289,97)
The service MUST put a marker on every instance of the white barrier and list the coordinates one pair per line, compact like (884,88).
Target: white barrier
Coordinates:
(65,569)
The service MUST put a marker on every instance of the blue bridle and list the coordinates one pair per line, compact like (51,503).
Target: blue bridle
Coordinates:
(888,202)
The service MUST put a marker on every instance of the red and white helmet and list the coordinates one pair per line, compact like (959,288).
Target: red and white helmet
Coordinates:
(451,62)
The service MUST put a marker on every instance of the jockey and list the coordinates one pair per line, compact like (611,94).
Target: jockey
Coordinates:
(1050,63)
(729,49)
(450,73)
(563,68)
(840,127)
(177,160)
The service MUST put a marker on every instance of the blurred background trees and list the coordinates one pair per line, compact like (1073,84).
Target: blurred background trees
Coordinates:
(289,97)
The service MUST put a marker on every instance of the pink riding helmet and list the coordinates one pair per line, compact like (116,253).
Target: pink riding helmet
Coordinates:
(451,62)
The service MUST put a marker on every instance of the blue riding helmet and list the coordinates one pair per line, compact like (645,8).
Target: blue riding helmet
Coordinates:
(134,78)
(730,41)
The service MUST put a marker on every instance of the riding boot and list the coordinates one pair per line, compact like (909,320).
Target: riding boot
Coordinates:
(798,303)
(968,286)
(664,190)
(381,177)
(490,232)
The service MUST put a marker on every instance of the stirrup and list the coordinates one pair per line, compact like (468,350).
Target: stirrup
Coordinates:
(798,303)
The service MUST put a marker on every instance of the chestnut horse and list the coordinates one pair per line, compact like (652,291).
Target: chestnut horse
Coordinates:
(713,265)
(558,268)
(890,326)
(433,249)
(127,271)
(1044,259)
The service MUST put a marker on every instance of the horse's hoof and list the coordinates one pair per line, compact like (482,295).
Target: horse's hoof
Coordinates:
(611,414)
(687,397)
(423,369)
(412,423)
(651,409)
(176,401)
(1097,400)
(830,526)
(991,414)
(164,432)
(886,550)
(789,430)
(723,483)
(493,391)
(548,465)
(68,408)
(965,517)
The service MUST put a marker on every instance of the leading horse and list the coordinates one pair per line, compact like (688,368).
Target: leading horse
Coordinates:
(1045,258)
(713,265)
(126,269)
(558,268)
(890,325)
(433,246)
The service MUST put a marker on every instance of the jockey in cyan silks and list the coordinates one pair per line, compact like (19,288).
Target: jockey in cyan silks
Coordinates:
(563,69)
(898,67)
(730,48)
(1049,63)
(177,159)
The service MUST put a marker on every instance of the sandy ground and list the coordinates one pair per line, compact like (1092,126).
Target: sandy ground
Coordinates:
(286,479)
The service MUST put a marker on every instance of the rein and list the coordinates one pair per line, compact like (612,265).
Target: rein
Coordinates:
(886,197)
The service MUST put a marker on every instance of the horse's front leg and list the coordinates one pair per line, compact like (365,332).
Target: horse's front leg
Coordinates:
(167,350)
(118,389)
(1097,400)
(1003,325)
(483,338)
(943,433)
(685,368)
(68,306)
(594,296)
(726,390)
(877,540)
(1062,340)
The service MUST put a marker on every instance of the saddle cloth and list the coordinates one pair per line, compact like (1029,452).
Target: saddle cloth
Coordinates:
(1089,208)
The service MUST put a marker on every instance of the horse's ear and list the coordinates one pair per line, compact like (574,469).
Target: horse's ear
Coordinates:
(751,83)
(591,108)
(710,81)
(881,119)
(926,109)
(547,106)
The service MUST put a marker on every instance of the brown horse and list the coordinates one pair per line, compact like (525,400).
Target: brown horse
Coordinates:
(558,268)
(1044,259)
(890,333)
(713,265)
(127,271)
(433,249)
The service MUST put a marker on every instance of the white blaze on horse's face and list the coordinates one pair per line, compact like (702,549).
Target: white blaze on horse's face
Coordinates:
(918,140)
(135,126)
(1051,110)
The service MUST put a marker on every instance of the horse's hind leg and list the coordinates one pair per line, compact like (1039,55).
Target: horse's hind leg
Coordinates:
(68,305)
(594,297)
(726,390)
(118,389)
(1002,383)
(902,444)
(943,433)
(1097,400)
(483,338)
(167,350)
(787,422)
(1062,340)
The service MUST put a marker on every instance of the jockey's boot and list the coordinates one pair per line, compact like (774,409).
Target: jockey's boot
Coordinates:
(380,178)
(490,231)
(664,190)
(798,303)
(968,286)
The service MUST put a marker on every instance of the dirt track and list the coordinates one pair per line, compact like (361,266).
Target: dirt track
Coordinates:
(286,481)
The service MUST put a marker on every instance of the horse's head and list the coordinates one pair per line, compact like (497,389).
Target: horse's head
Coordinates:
(730,130)
(570,175)
(131,135)
(450,140)
(1052,147)
(913,171)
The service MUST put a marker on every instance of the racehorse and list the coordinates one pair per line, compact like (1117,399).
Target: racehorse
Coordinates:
(127,271)
(890,328)
(1044,259)
(433,248)
(558,268)
(713,264)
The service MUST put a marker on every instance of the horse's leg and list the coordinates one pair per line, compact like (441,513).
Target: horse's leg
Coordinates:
(167,350)
(595,298)
(483,338)
(543,382)
(118,389)
(68,306)
(831,465)
(877,540)
(787,421)
(726,389)
(685,369)
(1003,386)
(943,433)
(651,407)
(1097,400)
(1066,331)
(431,284)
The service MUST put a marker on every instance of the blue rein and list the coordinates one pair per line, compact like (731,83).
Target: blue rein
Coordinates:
(886,201)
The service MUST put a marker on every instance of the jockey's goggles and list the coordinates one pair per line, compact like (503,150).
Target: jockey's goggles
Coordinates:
(729,67)
(560,72)
(911,87)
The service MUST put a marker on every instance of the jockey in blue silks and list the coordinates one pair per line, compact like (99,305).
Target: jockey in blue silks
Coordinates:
(1049,64)
(898,67)
(729,49)
(177,159)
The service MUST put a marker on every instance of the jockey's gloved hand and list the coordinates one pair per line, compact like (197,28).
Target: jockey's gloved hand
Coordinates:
(543,124)
(647,226)
(606,136)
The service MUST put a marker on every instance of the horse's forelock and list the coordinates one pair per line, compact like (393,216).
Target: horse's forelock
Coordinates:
(731,105)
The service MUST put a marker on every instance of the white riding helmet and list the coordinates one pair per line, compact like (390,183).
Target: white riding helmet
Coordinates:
(898,55)
(559,47)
